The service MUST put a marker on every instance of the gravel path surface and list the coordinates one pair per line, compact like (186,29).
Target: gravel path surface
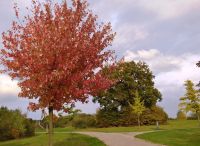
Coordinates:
(119,139)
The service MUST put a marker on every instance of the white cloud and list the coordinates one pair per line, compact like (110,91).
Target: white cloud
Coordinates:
(166,9)
(172,83)
(171,72)
(163,9)
(112,7)
(141,54)
(148,54)
(8,86)
(128,36)
(157,61)
(175,78)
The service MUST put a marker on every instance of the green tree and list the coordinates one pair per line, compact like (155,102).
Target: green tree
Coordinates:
(114,102)
(181,115)
(190,102)
(129,76)
(138,107)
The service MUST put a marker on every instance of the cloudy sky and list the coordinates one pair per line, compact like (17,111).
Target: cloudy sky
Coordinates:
(163,33)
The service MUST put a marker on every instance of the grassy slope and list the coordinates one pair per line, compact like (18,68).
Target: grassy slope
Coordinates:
(177,137)
(177,133)
(60,139)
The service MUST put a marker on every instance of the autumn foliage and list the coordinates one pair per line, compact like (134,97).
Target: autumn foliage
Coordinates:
(57,53)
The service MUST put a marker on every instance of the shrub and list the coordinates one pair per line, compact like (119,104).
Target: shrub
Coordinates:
(106,119)
(181,115)
(153,115)
(126,118)
(79,123)
(64,121)
(45,120)
(13,125)
(84,121)
(29,127)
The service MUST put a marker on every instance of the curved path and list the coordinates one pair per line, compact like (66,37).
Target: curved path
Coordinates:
(119,139)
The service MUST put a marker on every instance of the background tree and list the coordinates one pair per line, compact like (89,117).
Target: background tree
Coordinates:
(114,102)
(57,54)
(138,107)
(181,115)
(191,101)
(192,116)
(130,76)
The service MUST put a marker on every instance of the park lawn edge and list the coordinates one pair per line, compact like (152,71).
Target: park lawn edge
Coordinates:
(173,137)
(60,139)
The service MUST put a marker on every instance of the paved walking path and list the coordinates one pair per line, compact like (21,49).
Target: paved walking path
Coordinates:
(119,139)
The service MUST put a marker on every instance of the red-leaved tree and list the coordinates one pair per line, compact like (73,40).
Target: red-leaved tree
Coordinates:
(57,53)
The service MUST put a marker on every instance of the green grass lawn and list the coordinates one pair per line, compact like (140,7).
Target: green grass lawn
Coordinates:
(173,124)
(60,139)
(176,133)
(176,137)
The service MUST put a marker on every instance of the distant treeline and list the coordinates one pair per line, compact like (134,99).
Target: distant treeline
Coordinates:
(108,119)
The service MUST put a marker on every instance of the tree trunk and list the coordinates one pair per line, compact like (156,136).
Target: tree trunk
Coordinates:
(138,120)
(50,126)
